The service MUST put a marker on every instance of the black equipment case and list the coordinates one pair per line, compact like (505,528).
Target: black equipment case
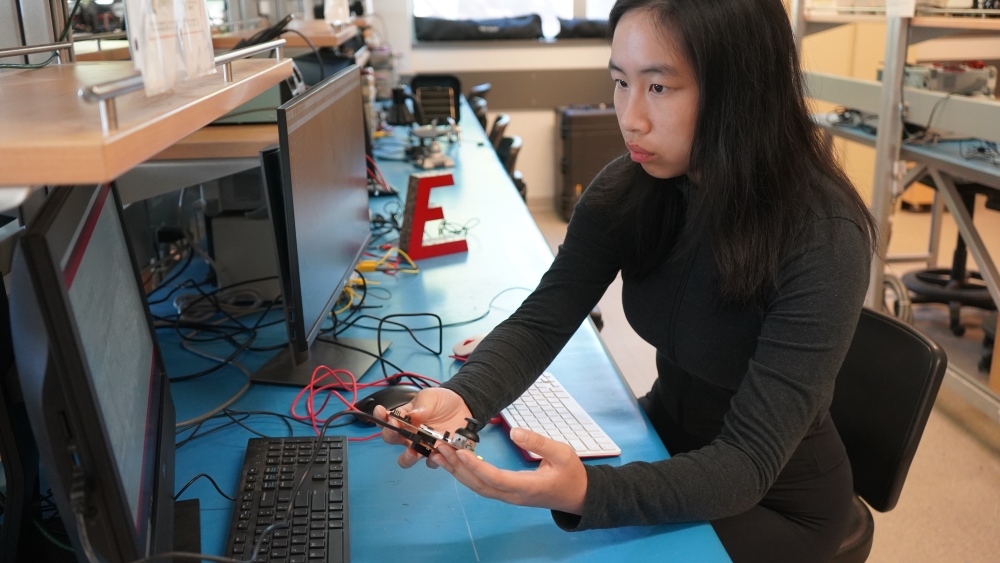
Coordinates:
(589,139)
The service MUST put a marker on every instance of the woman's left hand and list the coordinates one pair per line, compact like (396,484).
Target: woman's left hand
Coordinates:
(559,483)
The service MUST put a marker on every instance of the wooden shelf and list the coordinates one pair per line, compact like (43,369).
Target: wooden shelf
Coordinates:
(321,34)
(842,19)
(52,137)
(957,22)
(223,141)
(936,22)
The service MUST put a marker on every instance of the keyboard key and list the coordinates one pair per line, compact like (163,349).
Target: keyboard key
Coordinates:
(299,530)
(300,522)
(317,554)
(240,538)
(282,542)
(335,546)
(318,516)
(316,534)
(300,512)
(284,497)
(243,525)
(297,559)
(266,499)
(336,515)
(302,499)
(238,548)
(336,483)
(280,533)
(271,470)
(318,502)
(317,544)
(319,476)
(298,540)
(252,471)
(279,553)
(317,526)
(336,506)
(335,524)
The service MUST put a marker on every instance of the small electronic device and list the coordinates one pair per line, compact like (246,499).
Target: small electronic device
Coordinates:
(546,408)
(296,490)
(958,78)
(92,378)
(317,198)
(424,438)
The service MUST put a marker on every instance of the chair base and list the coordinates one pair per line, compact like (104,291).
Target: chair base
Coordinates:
(937,286)
(858,544)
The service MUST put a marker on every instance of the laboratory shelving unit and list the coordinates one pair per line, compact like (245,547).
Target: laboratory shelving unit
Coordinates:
(972,117)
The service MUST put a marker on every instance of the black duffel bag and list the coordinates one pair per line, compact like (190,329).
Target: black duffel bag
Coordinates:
(437,29)
(581,29)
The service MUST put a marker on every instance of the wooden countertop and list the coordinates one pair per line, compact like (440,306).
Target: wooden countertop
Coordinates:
(52,137)
(223,141)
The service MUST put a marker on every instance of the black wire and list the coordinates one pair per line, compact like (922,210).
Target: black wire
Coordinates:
(383,320)
(178,270)
(206,476)
(336,342)
(322,69)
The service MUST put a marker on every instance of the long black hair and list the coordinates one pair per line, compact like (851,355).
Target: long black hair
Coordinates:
(757,160)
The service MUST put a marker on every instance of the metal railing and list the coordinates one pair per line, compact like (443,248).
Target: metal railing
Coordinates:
(105,93)
(49,47)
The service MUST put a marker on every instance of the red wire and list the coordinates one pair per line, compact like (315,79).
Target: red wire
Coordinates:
(331,389)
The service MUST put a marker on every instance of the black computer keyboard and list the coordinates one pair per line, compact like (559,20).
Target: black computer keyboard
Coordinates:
(316,530)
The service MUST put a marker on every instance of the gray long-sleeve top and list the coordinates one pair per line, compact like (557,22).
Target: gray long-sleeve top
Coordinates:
(779,363)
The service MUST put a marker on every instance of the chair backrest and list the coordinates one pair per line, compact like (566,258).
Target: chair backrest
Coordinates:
(884,394)
(481,109)
(499,126)
(440,81)
(508,151)
(480,90)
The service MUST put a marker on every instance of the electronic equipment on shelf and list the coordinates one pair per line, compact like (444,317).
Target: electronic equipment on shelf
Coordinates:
(546,408)
(316,517)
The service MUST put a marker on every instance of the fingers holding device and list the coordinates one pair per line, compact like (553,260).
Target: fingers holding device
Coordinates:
(434,415)
(559,482)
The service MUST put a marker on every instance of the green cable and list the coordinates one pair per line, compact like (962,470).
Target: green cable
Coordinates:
(52,539)
(62,37)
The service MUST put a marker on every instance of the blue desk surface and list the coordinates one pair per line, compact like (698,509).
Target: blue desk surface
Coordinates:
(423,514)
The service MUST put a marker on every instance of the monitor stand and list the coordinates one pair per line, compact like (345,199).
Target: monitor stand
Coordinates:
(282,369)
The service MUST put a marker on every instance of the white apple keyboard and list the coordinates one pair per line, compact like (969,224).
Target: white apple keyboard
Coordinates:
(546,408)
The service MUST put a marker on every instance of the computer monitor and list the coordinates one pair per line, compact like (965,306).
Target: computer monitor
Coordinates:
(318,202)
(92,378)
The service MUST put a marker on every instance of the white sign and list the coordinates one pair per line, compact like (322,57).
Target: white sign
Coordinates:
(171,41)
(900,8)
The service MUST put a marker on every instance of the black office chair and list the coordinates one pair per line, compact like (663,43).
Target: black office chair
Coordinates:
(499,126)
(481,109)
(955,286)
(480,90)
(519,184)
(884,395)
(508,150)
(439,81)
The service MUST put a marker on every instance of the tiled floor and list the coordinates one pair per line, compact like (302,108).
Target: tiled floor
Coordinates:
(949,510)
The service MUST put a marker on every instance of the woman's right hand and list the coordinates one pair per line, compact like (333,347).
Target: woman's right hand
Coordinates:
(440,409)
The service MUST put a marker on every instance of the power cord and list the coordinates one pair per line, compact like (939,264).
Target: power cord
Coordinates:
(203,476)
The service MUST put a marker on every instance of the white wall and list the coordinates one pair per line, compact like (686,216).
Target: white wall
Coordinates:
(537,128)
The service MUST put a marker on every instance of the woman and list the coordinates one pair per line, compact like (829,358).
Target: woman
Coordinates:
(744,252)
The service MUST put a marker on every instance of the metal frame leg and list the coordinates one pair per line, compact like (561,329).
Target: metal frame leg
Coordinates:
(890,131)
